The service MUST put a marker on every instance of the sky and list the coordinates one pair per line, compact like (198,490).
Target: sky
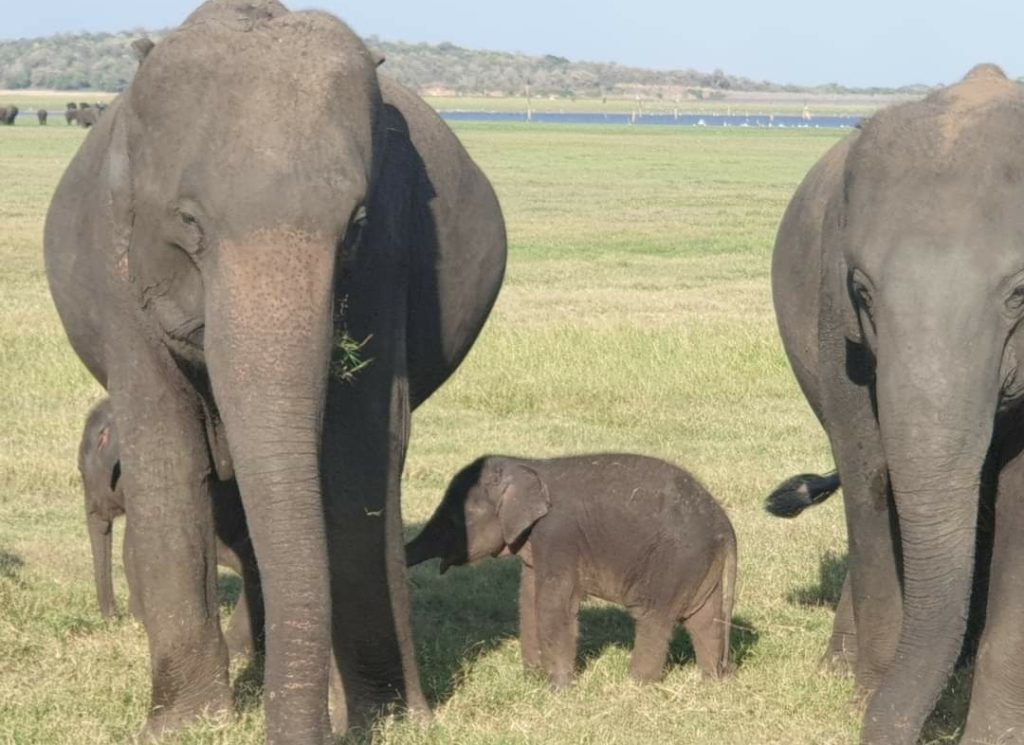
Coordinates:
(806,42)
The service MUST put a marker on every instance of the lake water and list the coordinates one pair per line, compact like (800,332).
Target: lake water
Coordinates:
(683,120)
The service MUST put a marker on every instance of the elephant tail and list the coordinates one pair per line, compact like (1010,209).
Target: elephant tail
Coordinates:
(796,494)
(728,601)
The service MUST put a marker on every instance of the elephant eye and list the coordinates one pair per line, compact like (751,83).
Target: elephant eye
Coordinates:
(860,291)
(1015,303)
(190,234)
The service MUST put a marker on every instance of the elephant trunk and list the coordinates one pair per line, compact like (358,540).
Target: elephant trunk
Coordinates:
(426,545)
(101,537)
(269,330)
(936,408)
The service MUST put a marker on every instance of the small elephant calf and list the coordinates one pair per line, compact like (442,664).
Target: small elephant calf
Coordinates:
(625,528)
(99,456)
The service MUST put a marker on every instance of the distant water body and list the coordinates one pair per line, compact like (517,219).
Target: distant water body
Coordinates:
(683,120)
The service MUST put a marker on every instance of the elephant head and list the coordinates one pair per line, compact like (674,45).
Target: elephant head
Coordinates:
(929,233)
(488,508)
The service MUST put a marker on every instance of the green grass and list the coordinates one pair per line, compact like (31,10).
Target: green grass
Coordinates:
(636,316)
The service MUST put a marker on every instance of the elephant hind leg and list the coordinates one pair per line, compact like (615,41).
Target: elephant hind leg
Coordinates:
(709,632)
(650,648)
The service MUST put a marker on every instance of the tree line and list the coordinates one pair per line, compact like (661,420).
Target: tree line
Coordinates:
(103,61)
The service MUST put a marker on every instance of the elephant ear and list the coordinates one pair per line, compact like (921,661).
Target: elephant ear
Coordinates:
(524,500)
(141,48)
(119,202)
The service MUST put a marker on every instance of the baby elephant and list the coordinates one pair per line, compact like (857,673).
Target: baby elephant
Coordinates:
(625,528)
(99,464)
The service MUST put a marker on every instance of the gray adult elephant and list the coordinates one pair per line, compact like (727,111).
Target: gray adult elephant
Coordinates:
(87,116)
(8,114)
(212,274)
(898,279)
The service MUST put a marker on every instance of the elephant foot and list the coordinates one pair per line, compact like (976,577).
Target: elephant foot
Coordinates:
(841,664)
(861,699)
(210,701)
(841,656)
(421,715)
(168,721)
(560,682)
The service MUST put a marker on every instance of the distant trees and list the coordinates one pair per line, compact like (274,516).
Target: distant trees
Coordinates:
(105,62)
(69,61)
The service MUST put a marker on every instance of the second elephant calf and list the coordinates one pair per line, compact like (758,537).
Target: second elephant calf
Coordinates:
(628,529)
(99,454)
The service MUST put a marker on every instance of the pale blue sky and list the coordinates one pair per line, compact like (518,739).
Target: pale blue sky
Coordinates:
(854,42)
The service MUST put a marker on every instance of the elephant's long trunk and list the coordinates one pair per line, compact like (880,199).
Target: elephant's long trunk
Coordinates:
(268,340)
(417,550)
(101,537)
(937,391)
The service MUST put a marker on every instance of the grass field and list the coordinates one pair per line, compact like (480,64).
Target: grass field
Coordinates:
(636,315)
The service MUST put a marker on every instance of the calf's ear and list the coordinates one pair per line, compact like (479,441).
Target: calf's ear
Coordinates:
(524,500)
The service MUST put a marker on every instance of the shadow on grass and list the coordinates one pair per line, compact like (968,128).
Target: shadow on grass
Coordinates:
(604,627)
(831,574)
(10,566)
(946,722)
(460,617)
(472,610)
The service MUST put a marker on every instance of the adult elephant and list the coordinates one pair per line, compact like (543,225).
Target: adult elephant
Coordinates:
(898,278)
(71,112)
(216,277)
(8,114)
(87,116)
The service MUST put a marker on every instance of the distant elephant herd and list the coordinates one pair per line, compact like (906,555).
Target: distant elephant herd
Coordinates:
(83,114)
(208,275)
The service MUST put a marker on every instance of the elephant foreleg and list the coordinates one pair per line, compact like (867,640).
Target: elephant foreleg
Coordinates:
(131,574)
(245,634)
(841,654)
(558,605)
(364,453)
(166,469)
(529,641)
(872,534)
(997,695)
